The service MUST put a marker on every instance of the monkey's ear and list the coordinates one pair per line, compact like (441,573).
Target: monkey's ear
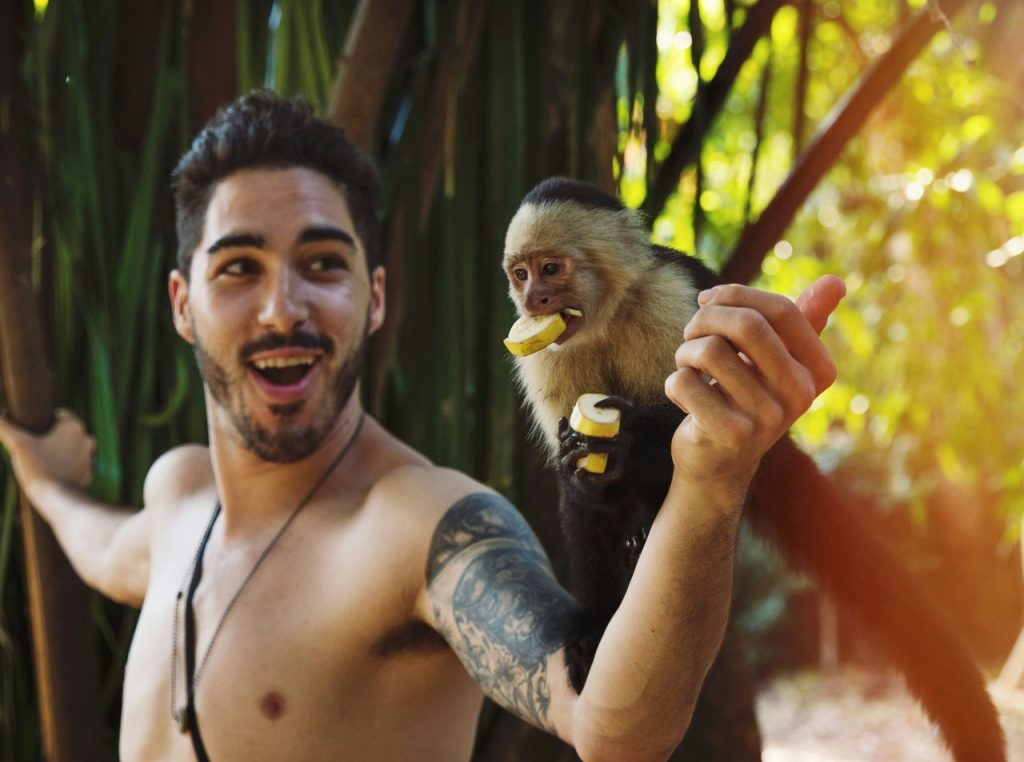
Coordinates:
(177,289)
(377,299)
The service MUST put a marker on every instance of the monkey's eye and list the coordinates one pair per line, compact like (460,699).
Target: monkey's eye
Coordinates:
(520,273)
(550,268)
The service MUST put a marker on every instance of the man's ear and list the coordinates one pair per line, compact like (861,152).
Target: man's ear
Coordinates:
(177,289)
(378,284)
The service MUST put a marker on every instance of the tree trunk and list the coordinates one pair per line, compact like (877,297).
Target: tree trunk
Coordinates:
(367,66)
(64,663)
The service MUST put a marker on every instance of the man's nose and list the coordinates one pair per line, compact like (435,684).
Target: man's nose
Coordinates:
(284,306)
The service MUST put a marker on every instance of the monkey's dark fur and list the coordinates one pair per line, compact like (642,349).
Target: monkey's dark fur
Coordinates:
(636,298)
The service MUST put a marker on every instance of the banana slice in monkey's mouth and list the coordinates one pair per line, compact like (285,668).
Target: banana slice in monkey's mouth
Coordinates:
(531,334)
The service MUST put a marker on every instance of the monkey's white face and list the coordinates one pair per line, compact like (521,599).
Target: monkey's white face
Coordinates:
(560,256)
(543,283)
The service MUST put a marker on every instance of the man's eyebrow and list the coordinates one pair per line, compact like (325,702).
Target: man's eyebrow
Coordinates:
(326,233)
(237,241)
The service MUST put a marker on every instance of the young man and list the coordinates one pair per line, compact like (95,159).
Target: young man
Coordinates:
(312,588)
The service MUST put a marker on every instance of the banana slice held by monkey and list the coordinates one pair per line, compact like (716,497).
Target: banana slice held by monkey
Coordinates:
(593,421)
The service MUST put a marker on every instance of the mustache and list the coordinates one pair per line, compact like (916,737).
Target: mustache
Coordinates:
(300,338)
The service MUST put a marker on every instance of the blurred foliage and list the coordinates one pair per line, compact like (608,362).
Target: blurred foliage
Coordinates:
(923,214)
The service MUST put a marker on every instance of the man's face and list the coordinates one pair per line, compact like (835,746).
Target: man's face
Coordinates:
(278,306)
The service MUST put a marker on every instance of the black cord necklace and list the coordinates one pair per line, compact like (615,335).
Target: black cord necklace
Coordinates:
(183,715)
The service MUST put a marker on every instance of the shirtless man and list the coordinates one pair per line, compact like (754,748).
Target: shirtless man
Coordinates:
(341,596)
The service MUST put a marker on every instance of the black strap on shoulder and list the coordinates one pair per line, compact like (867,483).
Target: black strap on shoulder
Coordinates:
(192,721)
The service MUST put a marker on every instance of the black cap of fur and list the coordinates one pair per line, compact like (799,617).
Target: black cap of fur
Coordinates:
(567,189)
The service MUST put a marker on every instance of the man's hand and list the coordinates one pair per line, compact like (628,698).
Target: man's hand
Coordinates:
(61,456)
(751,364)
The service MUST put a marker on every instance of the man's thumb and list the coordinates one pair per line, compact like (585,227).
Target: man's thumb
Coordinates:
(820,299)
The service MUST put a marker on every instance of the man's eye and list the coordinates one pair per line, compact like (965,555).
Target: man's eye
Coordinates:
(328,263)
(520,273)
(239,267)
(550,268)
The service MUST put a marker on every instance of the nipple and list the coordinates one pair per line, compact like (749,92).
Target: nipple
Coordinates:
(272,705)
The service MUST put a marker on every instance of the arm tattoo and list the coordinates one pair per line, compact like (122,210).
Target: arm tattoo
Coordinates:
(504,613)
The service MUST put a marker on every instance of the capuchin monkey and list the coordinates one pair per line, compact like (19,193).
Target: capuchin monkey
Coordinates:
(573,247)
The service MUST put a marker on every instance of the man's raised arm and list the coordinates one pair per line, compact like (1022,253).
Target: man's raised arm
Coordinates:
(107,545)
(751,365)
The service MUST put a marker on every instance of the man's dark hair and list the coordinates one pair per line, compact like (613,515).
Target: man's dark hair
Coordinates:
(261,130)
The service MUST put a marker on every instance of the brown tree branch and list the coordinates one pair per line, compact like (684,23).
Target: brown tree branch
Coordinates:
(367,67)
(803,76)
(838,128)
(65,669)
(698,118)
(212,69)
(687,143)
(455,60)
(755,154)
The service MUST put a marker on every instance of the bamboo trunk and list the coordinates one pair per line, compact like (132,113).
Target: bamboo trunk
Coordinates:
(64,663)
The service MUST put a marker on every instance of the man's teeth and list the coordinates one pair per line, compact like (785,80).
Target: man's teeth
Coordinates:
(283,362)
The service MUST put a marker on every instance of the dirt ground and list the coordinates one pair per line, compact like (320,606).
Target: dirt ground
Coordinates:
(855,716)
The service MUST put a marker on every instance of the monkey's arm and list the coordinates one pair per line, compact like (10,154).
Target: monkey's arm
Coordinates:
(605,518)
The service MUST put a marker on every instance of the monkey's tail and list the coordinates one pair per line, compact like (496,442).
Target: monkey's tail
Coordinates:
(818,532)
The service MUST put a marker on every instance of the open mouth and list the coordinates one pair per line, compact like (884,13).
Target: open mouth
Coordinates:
(284,378)
(573,322)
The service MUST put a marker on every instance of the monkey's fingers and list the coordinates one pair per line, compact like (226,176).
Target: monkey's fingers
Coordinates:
(616,471)
(597,487)
(617,449)
(621,404)
(599,445)
(569,438)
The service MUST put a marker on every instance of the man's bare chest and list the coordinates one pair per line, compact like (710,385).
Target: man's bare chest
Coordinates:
(294,648)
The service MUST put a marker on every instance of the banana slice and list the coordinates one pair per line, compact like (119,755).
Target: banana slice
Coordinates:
(593,421)
(531,334)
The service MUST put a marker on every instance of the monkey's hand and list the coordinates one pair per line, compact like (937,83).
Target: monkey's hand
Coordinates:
(573,446)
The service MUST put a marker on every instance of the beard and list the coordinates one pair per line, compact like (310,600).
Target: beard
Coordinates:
(288,442)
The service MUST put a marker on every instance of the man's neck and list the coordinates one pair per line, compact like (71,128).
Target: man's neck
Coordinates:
(254,491)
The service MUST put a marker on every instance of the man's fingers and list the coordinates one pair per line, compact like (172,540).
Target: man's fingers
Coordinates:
(745,316)
(708,406)
(715,357)
(8,433)
(820,300)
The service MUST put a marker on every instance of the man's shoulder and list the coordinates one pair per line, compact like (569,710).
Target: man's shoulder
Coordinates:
(178,473)
(425,499)
(446,506)
(424,489)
